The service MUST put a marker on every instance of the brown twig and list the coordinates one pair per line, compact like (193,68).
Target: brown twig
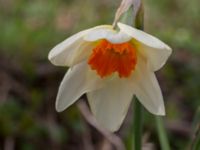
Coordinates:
(9,143)
(86,136)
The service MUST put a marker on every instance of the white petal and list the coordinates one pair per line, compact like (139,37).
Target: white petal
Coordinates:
(72,50)
(77,81)
(110,104)
(147,89)
(108,34)
(152,48)
(156,58)
(143,37)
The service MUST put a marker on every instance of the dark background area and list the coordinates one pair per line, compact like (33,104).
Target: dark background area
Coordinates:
(29,83)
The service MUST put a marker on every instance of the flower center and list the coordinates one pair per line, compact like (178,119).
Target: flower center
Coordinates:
(107,58)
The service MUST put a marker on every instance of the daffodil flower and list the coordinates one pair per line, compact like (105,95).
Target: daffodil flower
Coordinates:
(111,67)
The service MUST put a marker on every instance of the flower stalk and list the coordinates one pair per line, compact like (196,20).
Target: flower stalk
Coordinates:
(137,125)
(164,143)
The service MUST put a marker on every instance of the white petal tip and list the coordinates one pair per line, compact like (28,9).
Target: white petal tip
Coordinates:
(169,49)
(59,109)
(113,130)
(51,58)
(113,127)
(160,112)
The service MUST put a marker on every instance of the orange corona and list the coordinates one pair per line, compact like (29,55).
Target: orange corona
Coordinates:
(107,58)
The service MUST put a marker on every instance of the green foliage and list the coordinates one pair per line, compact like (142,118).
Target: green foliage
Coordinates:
(29,29)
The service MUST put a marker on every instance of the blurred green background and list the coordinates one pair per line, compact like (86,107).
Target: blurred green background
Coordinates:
(29,83)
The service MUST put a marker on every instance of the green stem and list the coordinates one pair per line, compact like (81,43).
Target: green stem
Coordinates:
(162,134)
(137,127)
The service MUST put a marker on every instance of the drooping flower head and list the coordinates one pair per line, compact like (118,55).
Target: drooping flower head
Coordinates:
(111,67)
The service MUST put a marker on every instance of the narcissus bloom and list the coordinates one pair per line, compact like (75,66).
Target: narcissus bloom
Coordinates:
(111,67)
